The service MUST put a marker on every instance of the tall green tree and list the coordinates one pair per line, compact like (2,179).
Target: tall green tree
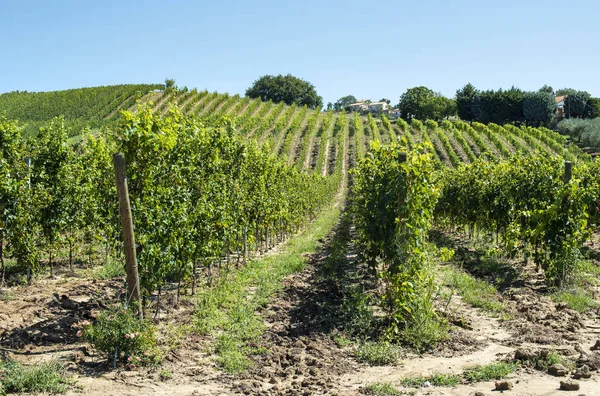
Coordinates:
(593,108)
(467,103)
(343,102)
(539,108)
(502,106)
(576,104)
(287,89)
(547,89)
(423,103)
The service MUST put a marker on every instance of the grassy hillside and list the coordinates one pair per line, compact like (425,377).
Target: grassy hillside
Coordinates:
(82,107)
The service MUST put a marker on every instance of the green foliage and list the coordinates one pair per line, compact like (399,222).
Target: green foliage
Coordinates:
(43,378)
(526,202)
(577,298)
(494,371)
(467,103)
(287,89)
(539,108)
(584,131)
(423,103)
(501,106)
(394,202)
(343,102)
(576,104)
(378,353)
(476,292)
(122,336)
(434,380)
(381,389)
(82,107)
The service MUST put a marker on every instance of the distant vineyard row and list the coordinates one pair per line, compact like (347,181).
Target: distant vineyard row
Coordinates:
(304,137)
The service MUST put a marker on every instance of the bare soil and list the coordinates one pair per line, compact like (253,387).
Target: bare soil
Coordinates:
(39,323)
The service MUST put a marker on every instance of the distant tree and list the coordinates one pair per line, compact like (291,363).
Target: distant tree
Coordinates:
(501,106)
(423,103)
(329,106)
(547,89)
(385,100)
(344,102)
(565,91)
(287,89)
(593,108)
(539,107)
(467,102)
(576,104)
(169,83)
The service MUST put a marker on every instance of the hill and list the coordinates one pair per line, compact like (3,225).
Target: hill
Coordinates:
(81,107)
(308,138)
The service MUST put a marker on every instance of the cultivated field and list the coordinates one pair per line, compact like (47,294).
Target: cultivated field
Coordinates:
(284,250)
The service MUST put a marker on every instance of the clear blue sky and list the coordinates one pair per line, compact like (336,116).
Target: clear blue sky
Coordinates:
(368,49)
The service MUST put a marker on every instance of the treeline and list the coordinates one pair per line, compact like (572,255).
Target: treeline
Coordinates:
(537,108)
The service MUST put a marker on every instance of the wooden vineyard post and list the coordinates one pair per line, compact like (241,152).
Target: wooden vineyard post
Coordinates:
(245,243)
(568,172)
(133,283)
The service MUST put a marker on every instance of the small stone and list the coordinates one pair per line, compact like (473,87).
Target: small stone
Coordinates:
(557,370)
(504,385)
(273,381)
(582,372)
(478,394)
(596,346)
(569,385)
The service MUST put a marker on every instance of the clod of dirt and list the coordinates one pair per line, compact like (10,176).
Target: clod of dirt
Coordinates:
(569,385)
(582,372)
(478,394)
(557,370)
(504,385)
(590,360)
(528,354)
(596,346)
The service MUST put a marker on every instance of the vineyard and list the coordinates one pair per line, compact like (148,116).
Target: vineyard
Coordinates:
(288,250)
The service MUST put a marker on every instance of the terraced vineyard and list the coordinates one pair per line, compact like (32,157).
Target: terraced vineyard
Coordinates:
(309,138)
(81,108)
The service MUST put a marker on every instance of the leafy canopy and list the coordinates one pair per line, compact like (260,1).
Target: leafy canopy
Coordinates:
(287,89)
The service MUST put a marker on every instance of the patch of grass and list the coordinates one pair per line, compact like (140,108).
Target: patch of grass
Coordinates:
(547,358)
(41,378)
(475,292)
(494,371)
(576,298)
(378,353)
(434,380)
(229,309)
(577,292)
(341,340)
(381,389)
(111,269)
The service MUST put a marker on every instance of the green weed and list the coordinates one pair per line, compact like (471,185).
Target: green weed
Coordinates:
(381,389)
(378,353)
(494,371)
(475,292)
(41,378)
(434,380)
